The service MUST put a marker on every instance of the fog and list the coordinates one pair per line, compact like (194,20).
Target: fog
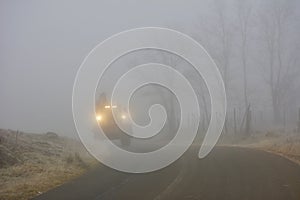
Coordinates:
(255,44)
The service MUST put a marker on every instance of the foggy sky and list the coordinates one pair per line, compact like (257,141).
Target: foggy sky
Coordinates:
(43,43)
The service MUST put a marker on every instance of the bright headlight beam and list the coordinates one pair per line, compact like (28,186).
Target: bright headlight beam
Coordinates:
(98,117)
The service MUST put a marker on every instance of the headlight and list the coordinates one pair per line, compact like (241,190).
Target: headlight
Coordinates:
(98,118)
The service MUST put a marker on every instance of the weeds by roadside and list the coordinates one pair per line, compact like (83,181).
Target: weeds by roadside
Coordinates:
(36,163)
(287,145)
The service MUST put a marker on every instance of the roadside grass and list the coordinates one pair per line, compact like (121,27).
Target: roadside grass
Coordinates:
(26,180)
(36,164)
(286,145)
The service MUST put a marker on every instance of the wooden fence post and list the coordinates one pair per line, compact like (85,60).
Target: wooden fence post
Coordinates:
(298,121)
(234,121)
(17,135)
(248,121)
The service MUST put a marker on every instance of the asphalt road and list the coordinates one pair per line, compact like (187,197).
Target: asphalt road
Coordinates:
(227,173)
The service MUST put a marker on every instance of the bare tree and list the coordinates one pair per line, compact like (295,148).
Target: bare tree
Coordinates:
(281,59)
(217,37)
(224,34)
(244,13)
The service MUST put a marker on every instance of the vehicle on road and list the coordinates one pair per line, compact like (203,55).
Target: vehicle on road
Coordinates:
(105,119)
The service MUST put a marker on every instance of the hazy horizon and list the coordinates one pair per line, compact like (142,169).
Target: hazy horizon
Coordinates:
(42,45)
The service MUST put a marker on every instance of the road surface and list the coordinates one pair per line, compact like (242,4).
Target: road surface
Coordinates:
(227,173)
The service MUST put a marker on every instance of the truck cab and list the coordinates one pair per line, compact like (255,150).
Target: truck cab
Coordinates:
(105,119)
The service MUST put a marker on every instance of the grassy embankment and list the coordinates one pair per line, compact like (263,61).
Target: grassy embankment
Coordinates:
(31,164)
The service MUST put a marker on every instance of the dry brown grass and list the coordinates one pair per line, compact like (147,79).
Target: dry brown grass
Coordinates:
(36,164)
(287,145)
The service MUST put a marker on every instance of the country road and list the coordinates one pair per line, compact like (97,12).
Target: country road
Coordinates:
(227,173)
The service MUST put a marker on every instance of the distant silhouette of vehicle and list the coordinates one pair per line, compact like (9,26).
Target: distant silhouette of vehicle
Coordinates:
(105,119)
